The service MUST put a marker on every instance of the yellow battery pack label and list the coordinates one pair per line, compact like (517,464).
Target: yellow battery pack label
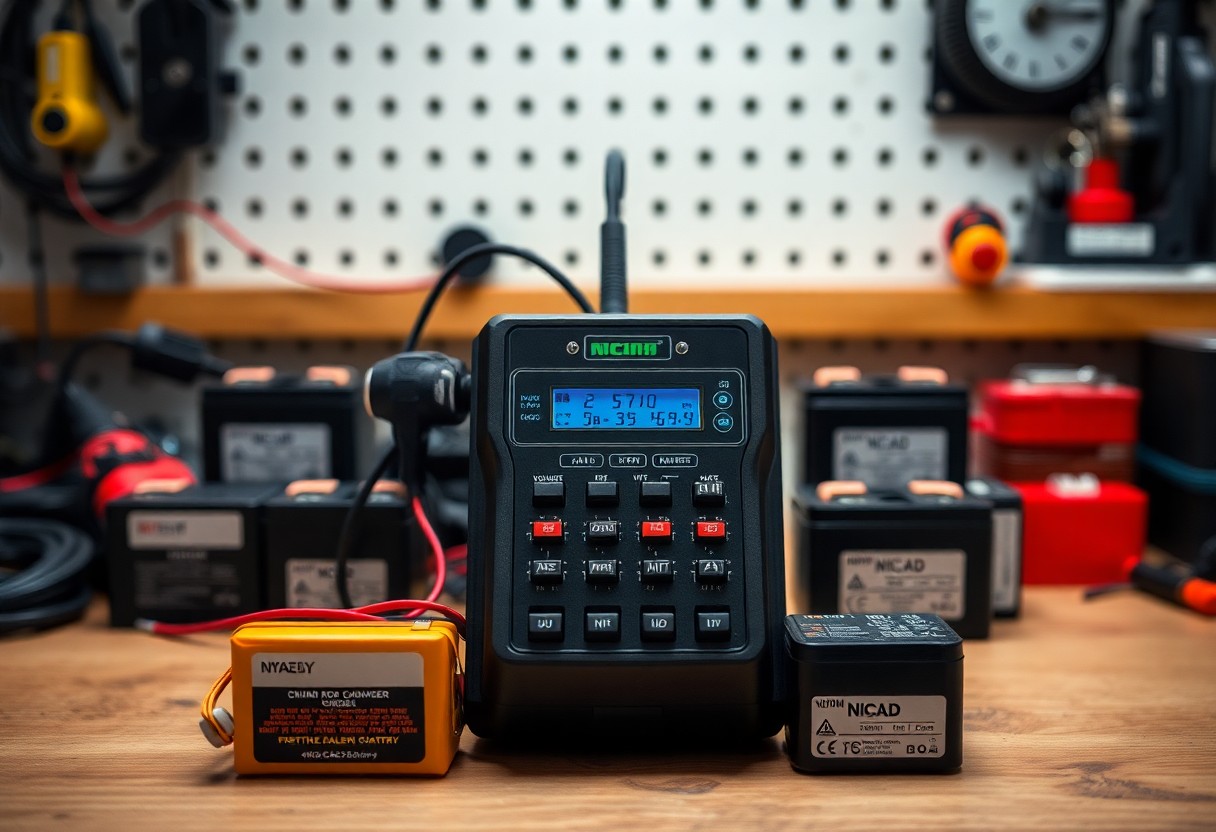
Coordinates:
(338,707)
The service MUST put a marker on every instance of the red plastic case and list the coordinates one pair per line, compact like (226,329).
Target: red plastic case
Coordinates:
(1081,538)
(1018,412)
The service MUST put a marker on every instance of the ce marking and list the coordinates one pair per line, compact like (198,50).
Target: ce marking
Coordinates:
(831,748)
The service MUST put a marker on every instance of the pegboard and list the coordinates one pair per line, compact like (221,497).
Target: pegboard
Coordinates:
(782,142)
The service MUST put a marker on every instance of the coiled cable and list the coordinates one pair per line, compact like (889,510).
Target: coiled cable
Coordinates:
(43,574)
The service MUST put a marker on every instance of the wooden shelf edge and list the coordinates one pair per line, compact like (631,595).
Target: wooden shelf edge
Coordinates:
(896,313)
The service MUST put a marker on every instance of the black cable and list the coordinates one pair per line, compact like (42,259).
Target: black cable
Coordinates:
(614,294)
(67,369)
(48,584)
(346,537)
(453,268)
(17,157)
(36,257)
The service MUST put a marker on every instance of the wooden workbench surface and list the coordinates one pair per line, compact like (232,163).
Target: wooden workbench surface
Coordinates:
(1097,716)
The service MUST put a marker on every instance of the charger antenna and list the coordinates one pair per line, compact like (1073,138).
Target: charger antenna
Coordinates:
(614,294)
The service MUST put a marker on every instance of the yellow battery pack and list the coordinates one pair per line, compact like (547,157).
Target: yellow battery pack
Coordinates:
(346,697)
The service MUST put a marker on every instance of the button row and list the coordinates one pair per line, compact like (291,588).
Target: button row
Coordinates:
(605,625)
(608,531)
(607,493)
(607,571)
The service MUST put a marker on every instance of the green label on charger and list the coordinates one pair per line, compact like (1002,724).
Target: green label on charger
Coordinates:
(642,347)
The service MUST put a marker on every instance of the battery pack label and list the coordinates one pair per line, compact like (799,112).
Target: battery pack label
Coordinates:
(338,708)
(187,581)
(1006,557)
(878,726)
(185,530)
(310,582)
(886,581)
(889,457)
(266,451)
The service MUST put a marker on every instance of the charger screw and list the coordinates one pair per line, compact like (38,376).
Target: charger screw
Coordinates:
(681,348)
(572,347)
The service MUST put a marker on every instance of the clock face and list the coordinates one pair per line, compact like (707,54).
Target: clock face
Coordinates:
(1038,45)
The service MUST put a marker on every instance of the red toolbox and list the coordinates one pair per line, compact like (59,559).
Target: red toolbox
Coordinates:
(1049,419)
(1078,530)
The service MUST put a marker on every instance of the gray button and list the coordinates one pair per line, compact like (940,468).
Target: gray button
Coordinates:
(723,400)
(581,461)
(723,422)
(658,626)
(713,626)
(545,626)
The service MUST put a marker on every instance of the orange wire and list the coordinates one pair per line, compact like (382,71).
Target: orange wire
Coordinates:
(290,271)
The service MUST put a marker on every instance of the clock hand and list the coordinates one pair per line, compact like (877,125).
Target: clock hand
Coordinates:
(1040,13)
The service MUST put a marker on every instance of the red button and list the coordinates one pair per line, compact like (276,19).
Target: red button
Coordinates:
(710,529)
(546,528)
(656,529)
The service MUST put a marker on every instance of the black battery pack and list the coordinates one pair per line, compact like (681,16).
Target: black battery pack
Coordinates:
(185,554)
(263,426)
(1006,543)
(925,548)
(302,527)
(884,430)
(874,693)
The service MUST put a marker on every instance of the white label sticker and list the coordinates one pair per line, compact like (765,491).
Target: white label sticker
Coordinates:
(1101,240)
(889,457)
(268,452)
(185,530)
(343,671)
(1006,559)
(884,581)
(878,726)
(310,582)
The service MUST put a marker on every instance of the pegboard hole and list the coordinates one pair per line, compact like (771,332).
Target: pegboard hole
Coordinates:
(526,158)
(795,106)
(794,157)
(660,54)
(928,207)
(658,208)
(434,53)
(615,53)
(434,157)
(659,105)
(343,106)
(479,53)
(749,207)
(251,55)
(570,53)
(796,53)
(435,207)
(570,208)
(659,157)
(526,208)
(300,257)
(298,106)
(749,258)
(840,207)
(705,207)
(570,157)
(346,208)
(389,208)
(704,257)
(794,207)
(705,53)
(659,258)
(253,207)
(751,156)
(253,157)
(481,157)
(883,207)
(840,105)
(929,157)
(391,258)
(705,105)
(570,106)
(751,53)
(342,54)
(793,258)
(299,208)
(345,157)
(524,54)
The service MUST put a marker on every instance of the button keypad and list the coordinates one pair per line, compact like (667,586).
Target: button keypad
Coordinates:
(662,554)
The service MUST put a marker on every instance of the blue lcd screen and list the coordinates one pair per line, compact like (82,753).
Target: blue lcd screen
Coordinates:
(626,408)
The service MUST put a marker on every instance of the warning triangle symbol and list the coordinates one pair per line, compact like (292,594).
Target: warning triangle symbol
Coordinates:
(302,588)
(855,582)
(825,730)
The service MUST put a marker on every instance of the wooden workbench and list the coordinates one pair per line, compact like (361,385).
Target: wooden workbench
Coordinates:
(1092,715)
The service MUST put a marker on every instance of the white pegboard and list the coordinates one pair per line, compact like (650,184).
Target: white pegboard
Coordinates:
(784,142)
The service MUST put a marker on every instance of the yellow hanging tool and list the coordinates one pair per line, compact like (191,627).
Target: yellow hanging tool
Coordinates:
(66,116)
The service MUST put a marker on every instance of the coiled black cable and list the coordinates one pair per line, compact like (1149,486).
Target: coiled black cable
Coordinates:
(43,574)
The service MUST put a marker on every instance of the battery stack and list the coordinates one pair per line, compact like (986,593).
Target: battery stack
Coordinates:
(1177,453)
(179,553)
(264,426)
(303,525)
(926,548)
(884,430)
(1065,438)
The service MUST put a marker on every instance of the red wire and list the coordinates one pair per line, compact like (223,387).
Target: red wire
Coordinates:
(39,476)
(441,563)
(306,277)
(371,612)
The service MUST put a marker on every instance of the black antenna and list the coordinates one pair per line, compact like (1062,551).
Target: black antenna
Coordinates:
(614,295)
